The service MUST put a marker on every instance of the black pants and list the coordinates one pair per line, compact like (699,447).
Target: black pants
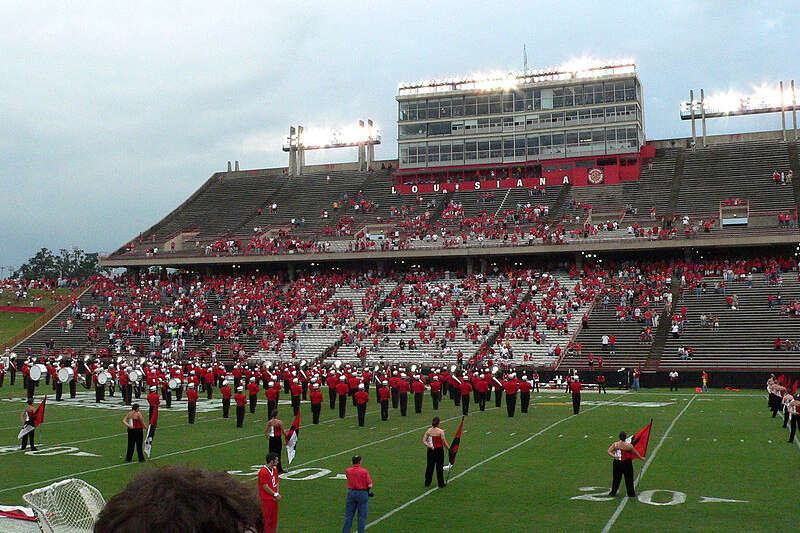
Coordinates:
(601,387)
(150,413)
(137,392)
(465,404)
(793,425)
(28,438)
(13,376)
(192,411)
(253,400)
(385,410)
(315,409)
(576,402)
(209,390)
(482,400)
(497,397)
(535,386)
(403,403)
(435,459)
(436,397)
(511,403)
(342,405)
(178,393)
(362,411)
(271,406)
(673,385)
(395,398)
(239,415)
(524,401)
(168,398)
(623,468)
(332,396)
(275,445)
(31,388)
(457,396)
(295,404)
(99,393)
(59,391)
(785,416)
(417,402)
(73,386)
(226,407)
(135,438)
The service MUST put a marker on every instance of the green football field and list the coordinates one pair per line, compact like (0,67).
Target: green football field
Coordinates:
(716,462)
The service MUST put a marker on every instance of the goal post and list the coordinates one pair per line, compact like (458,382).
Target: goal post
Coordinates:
(69,506)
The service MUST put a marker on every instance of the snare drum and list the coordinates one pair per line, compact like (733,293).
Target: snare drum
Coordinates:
(38,371)
(173,383)
(134,376)
(65,374)
(103,378)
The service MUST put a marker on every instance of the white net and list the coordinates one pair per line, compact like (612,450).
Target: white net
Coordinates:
(69,506)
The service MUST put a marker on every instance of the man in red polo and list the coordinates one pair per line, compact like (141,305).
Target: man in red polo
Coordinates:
(510,386)
(361,397)
(268,493)
(575,389)
(191,399)
(316,402)
(383,397)
(525,389)
(359,487)
(226,392)
(342,389)
(418,388)
(436,391)
(253,389)
(482,388)
(465,387)
(241,401)
(403,387)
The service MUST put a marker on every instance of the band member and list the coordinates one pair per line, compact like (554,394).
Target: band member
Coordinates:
(276,433)
(124,386)
(268,492)
(191,398)
(775,393)
(56,383)
(393,381)
(601,384)
(241,401)
(455,390)
(27,416)
(332,381)
(673,380)
(535,379)
(418,388)
(436,442)
(316,402)
(482,391)
(465,388)
(208,379)
(403,389)
(135,423)
(436,391)
(342,389)
(225,390)
(525,389)
(153,400)
(787,398)
(794,411)
(498,391)
(73,383)
(99,390)
(272,392)
(297,390)
(252,389)
(384,394)
(575,388)
(623,452)
(510,386)
(362,397)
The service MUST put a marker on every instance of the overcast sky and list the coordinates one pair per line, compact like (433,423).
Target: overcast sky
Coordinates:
(113,113)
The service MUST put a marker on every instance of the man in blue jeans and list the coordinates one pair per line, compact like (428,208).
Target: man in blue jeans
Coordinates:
(359,489)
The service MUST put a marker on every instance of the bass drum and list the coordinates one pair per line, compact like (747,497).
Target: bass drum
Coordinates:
(134,376)
(38,372)
(103,378)
(173,383)
(65,374)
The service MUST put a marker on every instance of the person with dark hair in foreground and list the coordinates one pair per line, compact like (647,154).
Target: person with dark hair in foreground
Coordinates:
(268,492)
(359,489)
(436,442)
(623,452)
(176,499)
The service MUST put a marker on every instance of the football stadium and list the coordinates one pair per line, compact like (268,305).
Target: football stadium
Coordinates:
(528,314)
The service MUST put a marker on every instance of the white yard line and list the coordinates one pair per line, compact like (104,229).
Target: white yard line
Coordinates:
(476,465)
(652,456)
(49,423)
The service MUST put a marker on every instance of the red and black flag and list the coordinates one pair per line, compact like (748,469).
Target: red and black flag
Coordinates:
(641,438)
(151,432)
(38,418)
(291,438)
(456,443)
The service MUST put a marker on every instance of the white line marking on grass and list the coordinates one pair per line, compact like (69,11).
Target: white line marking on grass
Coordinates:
(49,423)
(480,463)
(178,452)
(652,456)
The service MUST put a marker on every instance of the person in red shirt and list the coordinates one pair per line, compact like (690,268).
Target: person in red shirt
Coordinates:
(191,398)
(208,378)
(418,388)
(135,424)
(342,389)
(252,389)
(153,400)
(383,397)
(332,381)
(241,401)
(525,389)
(226,392)
(510,386)
(601,384)
(361,397)
(436,391)
(268,493)
(359,489)
(465,388)
(575,388)
(316,402)
(482,389)
(272,392)
(275,433)
(403,388)
(296,390)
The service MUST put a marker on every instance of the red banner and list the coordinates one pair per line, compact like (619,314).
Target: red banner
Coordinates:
(18,309)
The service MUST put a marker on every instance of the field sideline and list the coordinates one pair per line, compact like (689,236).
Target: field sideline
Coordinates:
(543,470)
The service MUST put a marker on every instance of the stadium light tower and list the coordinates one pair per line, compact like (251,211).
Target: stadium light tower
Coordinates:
(362,135)
(763,99)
